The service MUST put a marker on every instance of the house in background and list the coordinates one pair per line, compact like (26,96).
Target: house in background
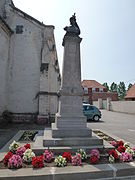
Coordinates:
(93,90)
(130,95)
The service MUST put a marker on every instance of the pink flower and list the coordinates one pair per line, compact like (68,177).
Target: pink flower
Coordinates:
(20,151)
(15,162)
(95,152)
(47,156)
(126,157)
(133,149)
(77,160)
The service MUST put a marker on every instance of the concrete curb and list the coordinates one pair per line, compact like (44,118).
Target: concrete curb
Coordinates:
(102,171)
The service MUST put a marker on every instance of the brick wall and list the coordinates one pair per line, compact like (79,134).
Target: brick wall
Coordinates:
(104,96)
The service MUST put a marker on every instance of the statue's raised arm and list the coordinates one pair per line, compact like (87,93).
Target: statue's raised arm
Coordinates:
(74,29)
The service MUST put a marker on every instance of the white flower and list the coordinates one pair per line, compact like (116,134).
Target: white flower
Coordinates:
(127,145)
(13,146)
(111,159)
(28,155)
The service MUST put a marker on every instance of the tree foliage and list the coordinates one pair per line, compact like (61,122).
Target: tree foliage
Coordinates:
(113,87)
(129,86)
(106,86)
(121,90)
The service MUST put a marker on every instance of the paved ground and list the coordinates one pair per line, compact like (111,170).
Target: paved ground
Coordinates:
(117,124)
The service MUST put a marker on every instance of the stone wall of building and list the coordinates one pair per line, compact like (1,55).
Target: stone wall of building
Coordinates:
(32,78)
(4,63)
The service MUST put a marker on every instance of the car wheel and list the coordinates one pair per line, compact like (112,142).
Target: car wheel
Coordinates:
(96,118)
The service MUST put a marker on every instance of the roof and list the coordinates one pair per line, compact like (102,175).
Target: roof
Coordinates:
(6,25)
(92,84)
(130,92)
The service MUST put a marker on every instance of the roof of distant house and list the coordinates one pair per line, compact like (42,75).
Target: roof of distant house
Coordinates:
(130,92)
(92,84)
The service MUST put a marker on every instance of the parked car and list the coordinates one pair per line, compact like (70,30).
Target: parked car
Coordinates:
(91,112)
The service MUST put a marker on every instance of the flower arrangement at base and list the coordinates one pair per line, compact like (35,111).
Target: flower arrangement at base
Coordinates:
(48,156)
(111,159)
(82,153)
(94,156)
(114,153)
(126,157)
(94,159)
(131,151)
(77,160)
(27,146)
(67,155)
(127,145)
(7,157)
(37,162)
(60,161)
(20,151)
(120,143)
(114,143)
(121,149)
(28,155)
(15,162)
(95,152)
(13,147)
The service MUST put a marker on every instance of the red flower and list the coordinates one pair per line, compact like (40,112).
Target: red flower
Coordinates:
(94,159)
(7,157)
(37,162)
(27,146)
(67,155)
(114,153)
(121,149)
(120,143)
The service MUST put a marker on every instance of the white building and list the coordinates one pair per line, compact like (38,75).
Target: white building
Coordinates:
(29,69)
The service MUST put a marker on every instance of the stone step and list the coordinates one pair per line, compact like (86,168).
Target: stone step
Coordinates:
(70,132)
(49,141)
(60,150)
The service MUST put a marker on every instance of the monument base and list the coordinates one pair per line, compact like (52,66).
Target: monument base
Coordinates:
(79,142)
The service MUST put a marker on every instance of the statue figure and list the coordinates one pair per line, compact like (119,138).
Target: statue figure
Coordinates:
(74,29)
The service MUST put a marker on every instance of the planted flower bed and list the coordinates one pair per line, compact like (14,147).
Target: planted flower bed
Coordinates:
(24,157)
(28,136)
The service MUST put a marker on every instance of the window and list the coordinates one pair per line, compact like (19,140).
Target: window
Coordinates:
(101,90)
(85,90)
(93,89)
(19,29)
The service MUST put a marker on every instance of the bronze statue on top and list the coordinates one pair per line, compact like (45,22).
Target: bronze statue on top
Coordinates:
(74,29)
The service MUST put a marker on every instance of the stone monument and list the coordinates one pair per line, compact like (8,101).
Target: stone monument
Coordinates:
(70,127)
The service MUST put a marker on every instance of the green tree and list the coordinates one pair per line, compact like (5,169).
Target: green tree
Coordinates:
(129,86)
(113,87)
(106,86)
(121,90)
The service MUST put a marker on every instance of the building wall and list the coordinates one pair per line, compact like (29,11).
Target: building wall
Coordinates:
(24,65)
(4,63)
(30,88)
(104,96)
(123,106)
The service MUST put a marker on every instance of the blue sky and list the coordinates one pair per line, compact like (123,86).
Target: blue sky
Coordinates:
(108,32)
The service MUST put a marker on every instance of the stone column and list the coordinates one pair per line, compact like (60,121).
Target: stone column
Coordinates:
(70,120)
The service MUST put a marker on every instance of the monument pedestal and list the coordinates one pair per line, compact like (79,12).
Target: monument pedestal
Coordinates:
(70,127)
